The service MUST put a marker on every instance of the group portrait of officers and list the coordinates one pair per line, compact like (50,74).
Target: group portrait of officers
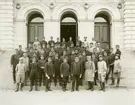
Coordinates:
(43,63)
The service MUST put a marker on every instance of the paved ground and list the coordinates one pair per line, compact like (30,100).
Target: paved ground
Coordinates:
(125,95)
(110,97)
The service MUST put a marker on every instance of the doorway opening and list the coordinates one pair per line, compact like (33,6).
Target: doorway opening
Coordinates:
(102,29)
(69,26)
(35,27)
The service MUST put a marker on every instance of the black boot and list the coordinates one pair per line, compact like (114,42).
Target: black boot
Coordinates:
(103,86)
(88,85)
(112,81)
(21,87)
(118,81)
(17,87)
(92,86)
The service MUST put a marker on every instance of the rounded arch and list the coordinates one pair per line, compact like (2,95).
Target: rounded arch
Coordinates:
(69,14)
(60,9)
(95,9)
(27,9)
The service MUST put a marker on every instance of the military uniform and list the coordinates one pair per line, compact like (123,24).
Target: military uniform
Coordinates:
(76,72)
(33,76)
(14,61)
(49,71)
(57,63)
(41,65)
(64,69)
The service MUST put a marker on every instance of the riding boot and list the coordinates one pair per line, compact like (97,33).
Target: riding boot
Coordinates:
(92,86)
(103,86)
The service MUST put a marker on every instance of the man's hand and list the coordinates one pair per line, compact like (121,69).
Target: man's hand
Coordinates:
(80,76)
(62,76)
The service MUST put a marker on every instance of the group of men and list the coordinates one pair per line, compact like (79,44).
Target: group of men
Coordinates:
(65,62)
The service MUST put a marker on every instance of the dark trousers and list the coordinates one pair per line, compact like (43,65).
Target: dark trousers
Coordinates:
(57,79)
(14,74)
(96,78)
(75,80)
(111,68)
(41,77)
(65,81)
(81,79)
(33,79)
(48,82)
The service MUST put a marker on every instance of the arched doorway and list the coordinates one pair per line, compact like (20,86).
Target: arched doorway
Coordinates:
(102,29)
(35,26)
(69,26)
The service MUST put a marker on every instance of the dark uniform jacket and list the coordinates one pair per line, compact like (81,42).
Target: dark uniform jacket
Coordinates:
(106,59)
(43,42)
(51,42)
(57,63)
(111,58)
(64,69)
(49,68)
(20,53)
(118,52)
(76,68)
(41,63)
(14,60)
(33,68)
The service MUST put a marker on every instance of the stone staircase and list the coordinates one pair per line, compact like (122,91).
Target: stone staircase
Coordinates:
(128,70)
(6,24)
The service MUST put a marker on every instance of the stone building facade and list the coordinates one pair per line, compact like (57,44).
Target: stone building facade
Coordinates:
(110,22)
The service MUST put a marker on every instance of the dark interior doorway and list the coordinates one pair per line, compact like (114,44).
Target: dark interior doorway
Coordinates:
(69,26)
(102,29)
(35,27)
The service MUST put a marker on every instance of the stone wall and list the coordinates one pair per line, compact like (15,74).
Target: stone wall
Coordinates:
(6,24)
(129,24)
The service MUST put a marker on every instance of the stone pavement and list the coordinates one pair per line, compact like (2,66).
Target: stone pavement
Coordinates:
(110,97)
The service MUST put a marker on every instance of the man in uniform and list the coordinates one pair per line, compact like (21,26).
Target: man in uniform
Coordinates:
(76,73)
(14,62)
(49,72)
(51,42)
(64,70)
(43,42)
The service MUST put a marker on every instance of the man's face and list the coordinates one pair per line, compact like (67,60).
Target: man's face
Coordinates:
(21,61)
(88,58)
(91,45)
(100,58)
(25,55)
(49,59)
(76,59)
